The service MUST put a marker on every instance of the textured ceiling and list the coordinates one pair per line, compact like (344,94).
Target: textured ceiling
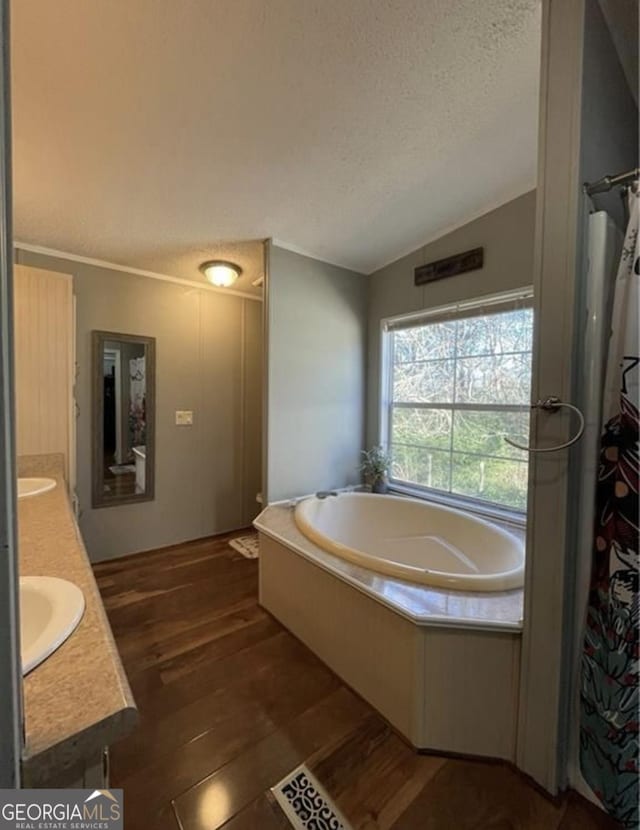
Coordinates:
(147,132)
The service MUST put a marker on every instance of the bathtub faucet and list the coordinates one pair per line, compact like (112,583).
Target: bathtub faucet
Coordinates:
(324,494)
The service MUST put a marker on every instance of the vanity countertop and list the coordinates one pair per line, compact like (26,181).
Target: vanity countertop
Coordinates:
(78,700)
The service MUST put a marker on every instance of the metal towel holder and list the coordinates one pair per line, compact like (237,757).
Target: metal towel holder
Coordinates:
(552,404)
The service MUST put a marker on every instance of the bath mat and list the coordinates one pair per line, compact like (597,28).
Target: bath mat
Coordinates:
(246,545)
(122,469)
(306,804)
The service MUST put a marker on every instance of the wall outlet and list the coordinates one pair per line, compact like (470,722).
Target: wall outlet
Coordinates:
(184,418)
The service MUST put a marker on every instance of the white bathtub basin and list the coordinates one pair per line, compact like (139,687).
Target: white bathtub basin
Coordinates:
(34,486)
(414,540)
(50,610)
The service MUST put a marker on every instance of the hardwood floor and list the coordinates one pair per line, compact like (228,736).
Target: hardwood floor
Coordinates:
(230,702)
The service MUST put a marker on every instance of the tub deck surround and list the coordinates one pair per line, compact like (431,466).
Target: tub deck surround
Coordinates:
(442,666)
(78,701)
(421,604)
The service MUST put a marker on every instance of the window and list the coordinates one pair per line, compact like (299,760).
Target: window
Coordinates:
(457,382)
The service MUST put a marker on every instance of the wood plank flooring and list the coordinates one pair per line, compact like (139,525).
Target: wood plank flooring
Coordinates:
(230,702)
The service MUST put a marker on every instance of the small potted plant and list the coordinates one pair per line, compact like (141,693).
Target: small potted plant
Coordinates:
(375,468)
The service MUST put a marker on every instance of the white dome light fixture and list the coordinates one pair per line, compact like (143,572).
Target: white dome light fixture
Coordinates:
(221,273)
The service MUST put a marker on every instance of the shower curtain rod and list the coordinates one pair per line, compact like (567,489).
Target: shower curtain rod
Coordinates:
(609,182)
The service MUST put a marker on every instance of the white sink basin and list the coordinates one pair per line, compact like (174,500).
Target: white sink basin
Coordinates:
(34,486)
(50,610)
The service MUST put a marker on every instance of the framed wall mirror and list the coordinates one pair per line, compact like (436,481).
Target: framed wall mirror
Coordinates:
(123,431)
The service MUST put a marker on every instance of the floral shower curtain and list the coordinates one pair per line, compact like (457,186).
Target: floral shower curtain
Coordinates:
(609,684)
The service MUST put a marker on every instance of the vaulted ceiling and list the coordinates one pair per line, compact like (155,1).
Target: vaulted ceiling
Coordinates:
(150,132)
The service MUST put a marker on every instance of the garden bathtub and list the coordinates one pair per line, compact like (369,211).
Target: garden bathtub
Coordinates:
(414,540)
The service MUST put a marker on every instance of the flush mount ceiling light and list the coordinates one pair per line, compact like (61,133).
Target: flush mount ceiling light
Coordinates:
(221,273)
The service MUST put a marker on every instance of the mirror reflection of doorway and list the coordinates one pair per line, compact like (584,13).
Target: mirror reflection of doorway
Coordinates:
(118,436)
(124,423)
(112,394)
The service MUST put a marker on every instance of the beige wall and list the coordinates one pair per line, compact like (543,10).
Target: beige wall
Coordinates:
(208,359)
(316,387)
(507,235)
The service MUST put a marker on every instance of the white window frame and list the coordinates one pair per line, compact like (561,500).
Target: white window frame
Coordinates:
(505,300)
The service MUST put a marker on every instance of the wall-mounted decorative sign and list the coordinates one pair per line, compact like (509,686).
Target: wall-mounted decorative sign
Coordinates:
(449,267)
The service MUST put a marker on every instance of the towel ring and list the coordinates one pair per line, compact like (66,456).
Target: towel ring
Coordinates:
(552,404)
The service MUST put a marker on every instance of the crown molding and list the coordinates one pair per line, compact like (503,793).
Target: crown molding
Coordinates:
(138,272)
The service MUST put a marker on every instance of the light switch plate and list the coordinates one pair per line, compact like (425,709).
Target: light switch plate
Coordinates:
(184,418)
